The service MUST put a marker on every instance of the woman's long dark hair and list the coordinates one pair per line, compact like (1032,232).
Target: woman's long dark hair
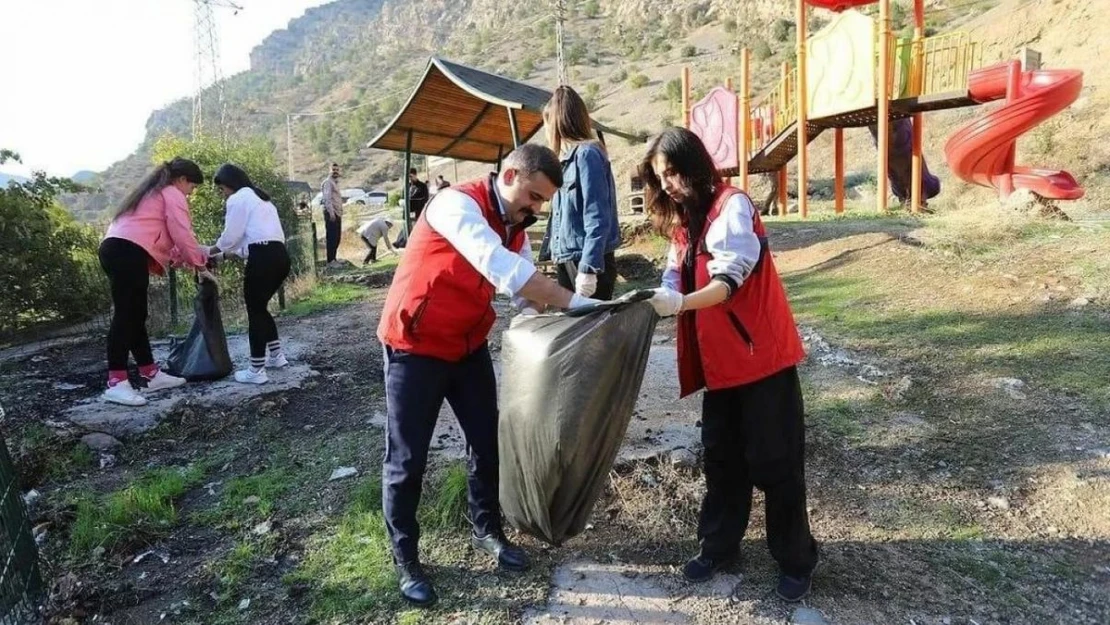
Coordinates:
(235,178)
(689,159)
(162,176)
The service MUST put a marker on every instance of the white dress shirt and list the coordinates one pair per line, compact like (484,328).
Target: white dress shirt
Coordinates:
(458,218)
(731,241)
(249,219)
(374,230)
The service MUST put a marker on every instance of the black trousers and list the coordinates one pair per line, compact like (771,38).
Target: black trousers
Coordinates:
(415,387)
(127,267)
(267,267)
(754,436)
(332,229)
(606,280)
(372,255)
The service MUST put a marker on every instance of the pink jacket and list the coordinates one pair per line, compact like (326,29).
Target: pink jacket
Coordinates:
(160,224)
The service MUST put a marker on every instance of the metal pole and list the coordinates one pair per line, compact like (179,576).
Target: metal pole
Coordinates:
(686,96)
(315,251)
(801,97)
(408,166)
(173,297)
(513,128)
(289,144)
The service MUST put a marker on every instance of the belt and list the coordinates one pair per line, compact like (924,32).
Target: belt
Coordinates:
(265,242)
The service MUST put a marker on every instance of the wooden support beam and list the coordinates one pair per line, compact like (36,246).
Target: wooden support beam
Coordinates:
(745,139)
(801,98)
(883,101)
(838,166)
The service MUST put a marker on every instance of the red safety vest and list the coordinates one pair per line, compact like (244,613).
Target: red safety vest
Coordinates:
(439,305)
(748,337)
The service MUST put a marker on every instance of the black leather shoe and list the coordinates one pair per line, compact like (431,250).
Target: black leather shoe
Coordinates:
(702,567)
(507,555)
(416,588)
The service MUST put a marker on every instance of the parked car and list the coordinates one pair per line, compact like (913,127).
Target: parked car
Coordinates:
(348,195)
(368,198)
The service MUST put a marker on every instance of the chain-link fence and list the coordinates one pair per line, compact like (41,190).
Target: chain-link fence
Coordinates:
(20,578)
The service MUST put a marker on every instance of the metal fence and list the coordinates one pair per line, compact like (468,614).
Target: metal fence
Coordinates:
(20,578)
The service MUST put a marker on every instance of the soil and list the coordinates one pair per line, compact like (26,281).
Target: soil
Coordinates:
(944,499)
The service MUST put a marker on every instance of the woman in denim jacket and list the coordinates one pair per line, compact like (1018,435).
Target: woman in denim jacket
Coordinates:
(583,230)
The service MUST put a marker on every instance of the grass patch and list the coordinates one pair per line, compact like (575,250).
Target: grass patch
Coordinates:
(839,417)
(42,456)
(324,296)
(1067,350)
(247,499)
(349,568)
(144,509)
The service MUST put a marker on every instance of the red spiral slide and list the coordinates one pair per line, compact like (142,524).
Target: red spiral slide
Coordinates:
(982,152)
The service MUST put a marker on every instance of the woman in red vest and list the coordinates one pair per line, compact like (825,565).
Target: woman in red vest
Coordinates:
(737,340)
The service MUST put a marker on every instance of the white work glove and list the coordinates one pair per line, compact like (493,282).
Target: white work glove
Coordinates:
(585,284)
(578,301)
(666,302)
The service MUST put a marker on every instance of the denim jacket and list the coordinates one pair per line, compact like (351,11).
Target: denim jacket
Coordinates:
(583,226)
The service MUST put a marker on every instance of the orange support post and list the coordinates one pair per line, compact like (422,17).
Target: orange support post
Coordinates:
(801,97)
(838,164)
(883,97)
(744,142)
(917,62)
(686,96)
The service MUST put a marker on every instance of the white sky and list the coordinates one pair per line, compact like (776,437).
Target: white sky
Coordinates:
(80,77)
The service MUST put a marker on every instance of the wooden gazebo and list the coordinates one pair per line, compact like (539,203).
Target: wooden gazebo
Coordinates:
(466,114)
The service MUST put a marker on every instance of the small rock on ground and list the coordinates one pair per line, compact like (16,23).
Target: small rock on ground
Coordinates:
(99,441)
(807,616)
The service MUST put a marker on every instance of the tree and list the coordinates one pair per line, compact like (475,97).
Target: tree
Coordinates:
(206,205)
(49,267)
(591,9)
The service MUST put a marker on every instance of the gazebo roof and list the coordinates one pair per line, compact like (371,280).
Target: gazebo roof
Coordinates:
(464,113)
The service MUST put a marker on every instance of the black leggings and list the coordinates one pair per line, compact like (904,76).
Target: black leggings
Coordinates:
(128,269)
(267,267)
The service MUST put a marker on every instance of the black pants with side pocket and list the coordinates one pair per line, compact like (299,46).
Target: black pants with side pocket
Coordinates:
(754,436)
(267,267)
(127,266)
(606,280)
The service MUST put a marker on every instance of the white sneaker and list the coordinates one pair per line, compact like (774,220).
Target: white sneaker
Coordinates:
(246,376)
(125,394)
(162,381)
(277,363)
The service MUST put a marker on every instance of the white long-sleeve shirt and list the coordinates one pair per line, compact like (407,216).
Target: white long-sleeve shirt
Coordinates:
(730,240)
(458,218)
(249,219)
(374,230)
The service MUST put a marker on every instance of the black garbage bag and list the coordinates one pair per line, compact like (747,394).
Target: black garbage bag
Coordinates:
(568,387)
(202,354)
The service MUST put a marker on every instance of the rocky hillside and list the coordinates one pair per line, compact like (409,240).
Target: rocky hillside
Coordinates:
(364,56)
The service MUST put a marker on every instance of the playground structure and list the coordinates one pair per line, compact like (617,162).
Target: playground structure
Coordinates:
(855,73)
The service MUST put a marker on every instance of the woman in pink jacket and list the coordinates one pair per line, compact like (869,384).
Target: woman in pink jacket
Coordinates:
(151,231)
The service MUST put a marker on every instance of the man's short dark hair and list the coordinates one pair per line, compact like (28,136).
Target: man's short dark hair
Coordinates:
(532,157)
(335,164)
(412,172)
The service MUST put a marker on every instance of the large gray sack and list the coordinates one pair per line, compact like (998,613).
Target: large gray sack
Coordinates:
(568,387)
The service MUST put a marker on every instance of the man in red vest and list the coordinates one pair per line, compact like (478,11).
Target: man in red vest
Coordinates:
(469,243)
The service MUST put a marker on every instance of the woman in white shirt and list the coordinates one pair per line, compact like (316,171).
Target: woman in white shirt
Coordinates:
(253,231)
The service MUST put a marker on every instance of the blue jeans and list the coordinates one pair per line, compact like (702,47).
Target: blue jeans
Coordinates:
(415,387)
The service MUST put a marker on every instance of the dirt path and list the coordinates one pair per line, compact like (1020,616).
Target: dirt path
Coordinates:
(939,495)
